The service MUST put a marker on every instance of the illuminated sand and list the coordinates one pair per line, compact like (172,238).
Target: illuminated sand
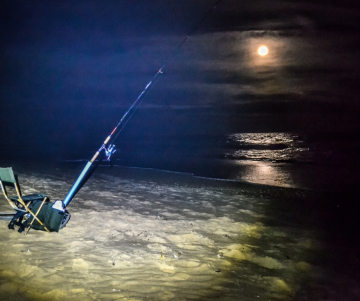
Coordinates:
(136,239)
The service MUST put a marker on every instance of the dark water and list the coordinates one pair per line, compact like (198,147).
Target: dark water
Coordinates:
(322,161)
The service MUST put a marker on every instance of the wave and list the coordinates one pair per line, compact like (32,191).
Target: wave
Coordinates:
(273,147)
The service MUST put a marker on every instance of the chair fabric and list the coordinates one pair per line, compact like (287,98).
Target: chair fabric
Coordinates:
(7,175)
(52,218)
(22,204)
(8,179)
(30,197)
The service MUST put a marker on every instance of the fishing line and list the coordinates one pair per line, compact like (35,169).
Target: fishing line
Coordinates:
(140,99)
(156,76)
(108,147)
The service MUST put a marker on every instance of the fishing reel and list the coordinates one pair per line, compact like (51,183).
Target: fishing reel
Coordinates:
(109,151)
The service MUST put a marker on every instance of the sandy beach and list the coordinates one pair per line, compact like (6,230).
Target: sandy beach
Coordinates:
(150,235)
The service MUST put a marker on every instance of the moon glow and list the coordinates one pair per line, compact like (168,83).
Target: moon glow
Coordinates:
(263,50)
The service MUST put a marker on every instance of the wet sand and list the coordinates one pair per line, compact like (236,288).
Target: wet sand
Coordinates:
(149,235)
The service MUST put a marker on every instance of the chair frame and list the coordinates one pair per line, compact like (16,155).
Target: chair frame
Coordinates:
(15,184)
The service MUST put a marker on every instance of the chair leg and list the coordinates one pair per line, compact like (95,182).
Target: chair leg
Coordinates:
(35,217)
(12,204)
(27,209)
(29,226)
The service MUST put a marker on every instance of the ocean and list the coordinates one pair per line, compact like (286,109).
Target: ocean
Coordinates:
(183,218)
(321,161)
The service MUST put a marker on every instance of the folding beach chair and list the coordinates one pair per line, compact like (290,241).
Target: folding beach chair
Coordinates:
(22,204)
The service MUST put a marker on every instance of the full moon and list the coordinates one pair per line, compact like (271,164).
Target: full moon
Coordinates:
(263,50)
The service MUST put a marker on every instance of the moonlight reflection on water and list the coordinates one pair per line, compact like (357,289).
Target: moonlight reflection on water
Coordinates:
(265,173)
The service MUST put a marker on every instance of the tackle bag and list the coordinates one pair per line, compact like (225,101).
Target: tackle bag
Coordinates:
(52,218)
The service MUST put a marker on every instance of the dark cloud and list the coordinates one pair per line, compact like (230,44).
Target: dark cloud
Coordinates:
(262,99)
(285,15)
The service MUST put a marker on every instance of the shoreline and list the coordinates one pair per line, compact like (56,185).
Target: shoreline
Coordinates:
(149,235)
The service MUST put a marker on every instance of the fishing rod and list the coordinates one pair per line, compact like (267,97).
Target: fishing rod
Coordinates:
(108,145)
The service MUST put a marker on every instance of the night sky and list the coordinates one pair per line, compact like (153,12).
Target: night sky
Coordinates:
(70,69)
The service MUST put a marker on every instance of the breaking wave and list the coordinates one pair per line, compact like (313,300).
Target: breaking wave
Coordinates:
(274,147)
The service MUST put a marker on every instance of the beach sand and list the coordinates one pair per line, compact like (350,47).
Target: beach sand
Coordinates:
(149,235)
